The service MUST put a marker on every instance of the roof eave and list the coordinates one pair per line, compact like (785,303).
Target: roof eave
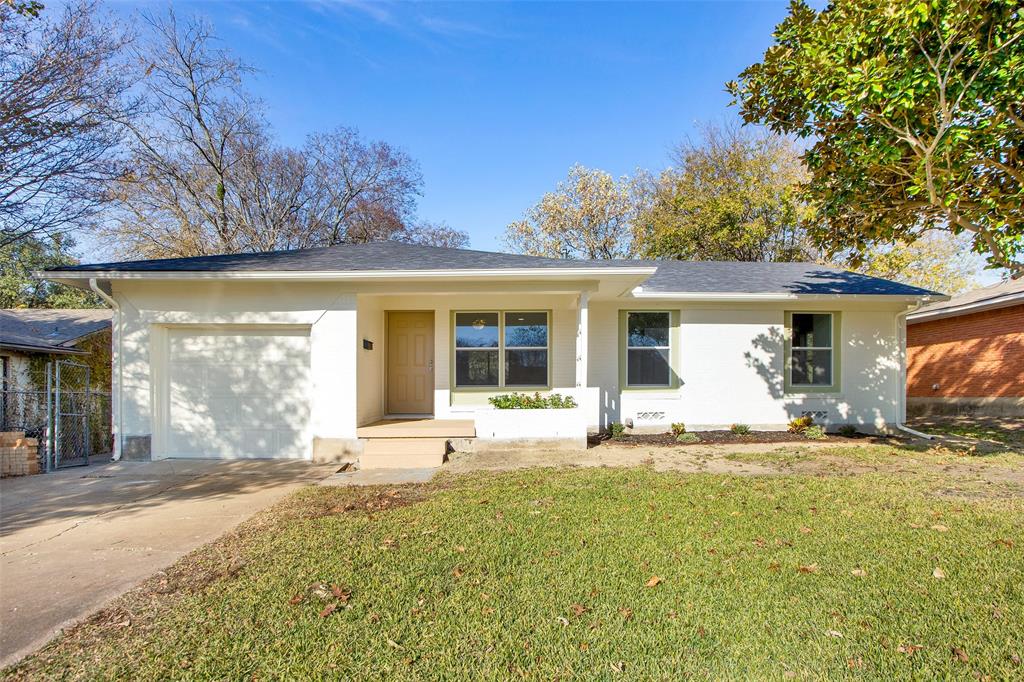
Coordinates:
(968,308)
(31,348)
(341,275)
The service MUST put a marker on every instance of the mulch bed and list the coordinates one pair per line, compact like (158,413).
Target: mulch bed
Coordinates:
(723,437)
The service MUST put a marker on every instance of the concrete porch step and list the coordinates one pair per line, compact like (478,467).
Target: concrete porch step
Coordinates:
(403,453)
(410,443)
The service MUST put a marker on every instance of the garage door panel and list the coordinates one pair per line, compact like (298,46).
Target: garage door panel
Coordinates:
(238,393)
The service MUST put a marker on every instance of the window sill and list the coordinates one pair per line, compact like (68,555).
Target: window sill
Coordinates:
(807,392)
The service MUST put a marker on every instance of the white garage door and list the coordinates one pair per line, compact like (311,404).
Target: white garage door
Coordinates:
(237,394)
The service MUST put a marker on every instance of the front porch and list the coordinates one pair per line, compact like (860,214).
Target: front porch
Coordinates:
(410,443)
(428,364)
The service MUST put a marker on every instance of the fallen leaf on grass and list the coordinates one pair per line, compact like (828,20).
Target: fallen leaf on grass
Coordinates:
(1015,658)
(295,600)
(578,609)
(617,667)
(938,573)
(341,594)
(626,613)
(805,530)
(456,572)
(834,633)
(1005,543)
(909,649)
(939,527)
(855,663)
(562,620)
(959,654)
(653,582)
(809,568)
(328,610)
(859,572)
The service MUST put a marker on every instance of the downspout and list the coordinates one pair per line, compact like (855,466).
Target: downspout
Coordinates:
(901,334)
(116,404)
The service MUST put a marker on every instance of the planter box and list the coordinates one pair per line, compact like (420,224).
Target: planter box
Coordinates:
(561,428)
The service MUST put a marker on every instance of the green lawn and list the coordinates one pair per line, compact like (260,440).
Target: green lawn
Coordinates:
(551,573)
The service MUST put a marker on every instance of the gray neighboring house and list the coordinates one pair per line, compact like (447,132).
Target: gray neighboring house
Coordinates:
(29,332)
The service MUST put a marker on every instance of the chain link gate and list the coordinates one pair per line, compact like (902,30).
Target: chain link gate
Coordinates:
(70,410)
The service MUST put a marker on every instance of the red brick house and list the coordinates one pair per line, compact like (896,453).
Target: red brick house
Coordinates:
(966,355)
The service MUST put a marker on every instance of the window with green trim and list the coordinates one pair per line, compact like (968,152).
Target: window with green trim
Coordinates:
(811,352)
(648,349)
(495,349)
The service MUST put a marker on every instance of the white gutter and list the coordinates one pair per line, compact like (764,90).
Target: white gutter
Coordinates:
(735,297)
(116,402)
(901,335)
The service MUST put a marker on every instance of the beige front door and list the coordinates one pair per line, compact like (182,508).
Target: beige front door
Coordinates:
(410,368)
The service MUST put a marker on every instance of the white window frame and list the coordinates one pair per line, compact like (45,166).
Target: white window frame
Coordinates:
(501,348)
(831,348)
(668,326)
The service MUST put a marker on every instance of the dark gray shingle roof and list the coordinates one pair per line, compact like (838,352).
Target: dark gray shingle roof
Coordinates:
(53,330)
(671,276)
(768,278)
(992,296)
(347,257)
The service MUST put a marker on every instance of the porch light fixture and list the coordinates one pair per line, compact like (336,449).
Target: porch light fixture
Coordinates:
(479,324)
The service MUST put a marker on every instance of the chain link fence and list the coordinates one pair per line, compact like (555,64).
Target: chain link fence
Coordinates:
(71,421)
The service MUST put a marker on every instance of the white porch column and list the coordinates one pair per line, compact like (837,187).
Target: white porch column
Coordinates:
(333,356)
(582,339)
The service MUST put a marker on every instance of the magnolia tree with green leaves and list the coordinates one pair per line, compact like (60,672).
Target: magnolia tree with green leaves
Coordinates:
(916,115)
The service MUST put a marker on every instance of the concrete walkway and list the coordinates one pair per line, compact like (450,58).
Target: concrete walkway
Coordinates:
(73,540)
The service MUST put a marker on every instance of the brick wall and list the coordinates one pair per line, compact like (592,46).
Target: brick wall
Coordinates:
(970,356)
(18,455)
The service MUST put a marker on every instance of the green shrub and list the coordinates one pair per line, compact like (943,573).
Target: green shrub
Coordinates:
(848,430)
(815,433)
(801,424)
(618,430)
(740,429)
(525,401)
(688,438)
(678,429)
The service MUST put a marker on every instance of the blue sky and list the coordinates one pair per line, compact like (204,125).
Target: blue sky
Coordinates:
(496,100)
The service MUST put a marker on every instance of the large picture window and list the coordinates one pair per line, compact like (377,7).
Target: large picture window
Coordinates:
(811,350)
(648,349)
(495,349)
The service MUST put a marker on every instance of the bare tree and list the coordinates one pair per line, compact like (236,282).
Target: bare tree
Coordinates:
(206,176)
(62,84)
(179,194)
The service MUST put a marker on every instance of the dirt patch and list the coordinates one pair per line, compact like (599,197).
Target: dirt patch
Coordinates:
(722,437)
(696,458)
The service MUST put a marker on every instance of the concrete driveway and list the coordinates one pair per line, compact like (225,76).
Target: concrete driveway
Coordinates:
(73,540)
